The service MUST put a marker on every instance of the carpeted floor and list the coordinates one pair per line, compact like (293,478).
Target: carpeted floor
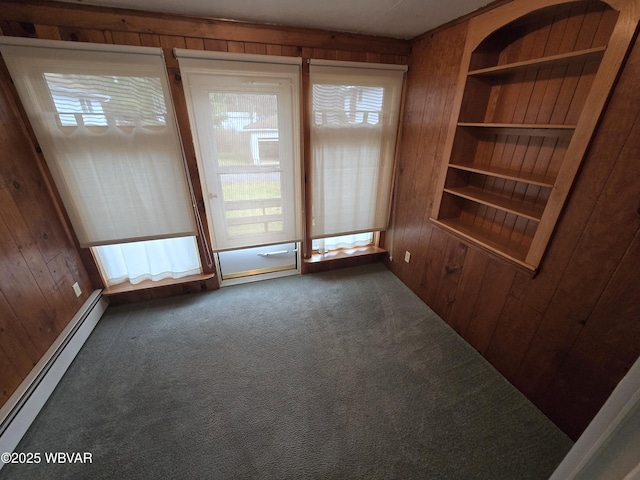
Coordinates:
(339,375)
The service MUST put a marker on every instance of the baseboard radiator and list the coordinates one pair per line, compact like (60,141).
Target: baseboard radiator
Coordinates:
(24,405)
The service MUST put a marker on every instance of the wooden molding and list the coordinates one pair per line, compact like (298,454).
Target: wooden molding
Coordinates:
(50,13)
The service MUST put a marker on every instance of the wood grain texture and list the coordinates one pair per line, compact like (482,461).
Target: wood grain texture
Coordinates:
(602,354)
(566,336)
(596,257)
(427,109)
(526,73)
(38,261)
(75,17)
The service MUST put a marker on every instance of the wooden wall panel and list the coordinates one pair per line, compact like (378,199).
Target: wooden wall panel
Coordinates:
(593,262)
(20,17)
(604,350)
(38,260)
(427,110)
(568,335)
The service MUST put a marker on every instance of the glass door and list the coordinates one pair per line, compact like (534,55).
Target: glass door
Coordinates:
(246,126)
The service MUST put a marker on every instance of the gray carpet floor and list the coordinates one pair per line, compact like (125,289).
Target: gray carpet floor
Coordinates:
(338,375)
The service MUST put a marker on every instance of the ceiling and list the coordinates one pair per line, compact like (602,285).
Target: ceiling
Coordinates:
(391,18)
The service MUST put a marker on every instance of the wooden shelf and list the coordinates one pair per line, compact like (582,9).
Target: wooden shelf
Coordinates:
(544,62)
(487,239)
(509,205)
(530,178)
(343,258)
(529,129)
(343,253)
(487,176)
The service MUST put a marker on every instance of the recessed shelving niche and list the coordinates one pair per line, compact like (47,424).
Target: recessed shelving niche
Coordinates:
(534,82)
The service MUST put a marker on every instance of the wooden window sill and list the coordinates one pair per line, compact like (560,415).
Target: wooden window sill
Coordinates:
(345,253)
(127,287)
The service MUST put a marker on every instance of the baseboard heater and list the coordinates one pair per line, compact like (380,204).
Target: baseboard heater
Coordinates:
(26,402)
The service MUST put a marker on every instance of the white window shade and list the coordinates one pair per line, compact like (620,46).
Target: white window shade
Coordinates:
(245,118)
(106,125)
(354,122)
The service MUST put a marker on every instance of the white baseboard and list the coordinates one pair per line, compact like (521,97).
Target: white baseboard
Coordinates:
(17,414)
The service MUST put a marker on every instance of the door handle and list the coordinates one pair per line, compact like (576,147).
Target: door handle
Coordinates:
(279,252)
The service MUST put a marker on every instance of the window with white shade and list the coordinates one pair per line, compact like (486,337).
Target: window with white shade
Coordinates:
(105,123)
(354,122)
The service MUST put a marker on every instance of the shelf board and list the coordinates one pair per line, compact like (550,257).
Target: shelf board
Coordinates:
(343,253)
(530,178)
(509,205)
(536,63)
(487,239)
(529,129)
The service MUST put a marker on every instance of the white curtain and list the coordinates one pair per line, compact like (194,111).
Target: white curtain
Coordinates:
(354,122)
(148,260)
(106,126)
(246,122)
(322,245)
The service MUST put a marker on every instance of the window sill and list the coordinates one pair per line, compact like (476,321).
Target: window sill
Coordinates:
(344,257)
(345,253)
(127,287)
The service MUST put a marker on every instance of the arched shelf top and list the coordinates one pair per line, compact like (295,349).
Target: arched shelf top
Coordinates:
(589,25)
(512,14)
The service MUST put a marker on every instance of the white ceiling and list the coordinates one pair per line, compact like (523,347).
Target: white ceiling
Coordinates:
(391,18)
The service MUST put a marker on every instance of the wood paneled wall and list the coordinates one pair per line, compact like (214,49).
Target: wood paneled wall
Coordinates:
(38,259)
(567,336)
(62,21)
(564,338)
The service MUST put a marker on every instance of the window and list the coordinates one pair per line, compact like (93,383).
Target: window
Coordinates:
(105,122)
(354,121)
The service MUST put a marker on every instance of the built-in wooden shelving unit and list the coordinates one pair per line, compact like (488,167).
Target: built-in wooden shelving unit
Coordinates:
(533,86)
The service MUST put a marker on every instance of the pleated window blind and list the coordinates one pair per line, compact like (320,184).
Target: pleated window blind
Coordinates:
(354,122)
(106,126)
